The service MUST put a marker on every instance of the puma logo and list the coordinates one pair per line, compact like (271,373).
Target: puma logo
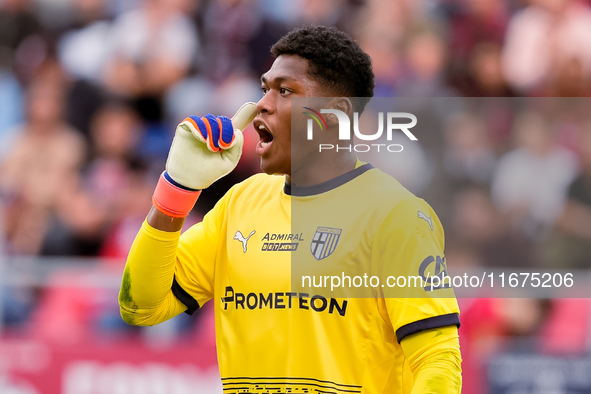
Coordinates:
(426,218)
(239,237)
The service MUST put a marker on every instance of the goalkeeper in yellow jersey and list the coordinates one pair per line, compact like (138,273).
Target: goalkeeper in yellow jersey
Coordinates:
(271,337)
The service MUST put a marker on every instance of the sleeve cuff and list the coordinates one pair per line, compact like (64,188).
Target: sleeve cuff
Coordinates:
(184,297)
(451,319)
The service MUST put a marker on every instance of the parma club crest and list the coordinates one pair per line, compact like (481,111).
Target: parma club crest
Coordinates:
(325,242)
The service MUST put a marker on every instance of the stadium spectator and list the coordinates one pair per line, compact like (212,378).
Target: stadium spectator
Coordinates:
(388,21)
(75,226)
(229,24)
(134,197)
(82,217)
(423,75)
(569,78)
(544,37)
(20,37)
(482,236)
(83,49)
(153,47)
(531,181)
(574,247)
(476,22)
(43,163)
(469,156)
(386,61)
(116,134)
(483,75)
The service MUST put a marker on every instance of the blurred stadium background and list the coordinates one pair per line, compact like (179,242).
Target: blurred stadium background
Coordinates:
(90,94)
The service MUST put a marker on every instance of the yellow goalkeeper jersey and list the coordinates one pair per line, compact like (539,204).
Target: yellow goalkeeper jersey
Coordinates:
(279,333)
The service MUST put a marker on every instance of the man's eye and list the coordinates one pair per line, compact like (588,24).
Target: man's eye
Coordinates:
(264,90)
(283,91)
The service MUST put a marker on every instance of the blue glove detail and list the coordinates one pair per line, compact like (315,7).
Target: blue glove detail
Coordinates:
(200,126)
(227,131)
(215,129)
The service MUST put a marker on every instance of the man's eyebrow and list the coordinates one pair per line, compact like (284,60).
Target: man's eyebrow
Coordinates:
(278,79)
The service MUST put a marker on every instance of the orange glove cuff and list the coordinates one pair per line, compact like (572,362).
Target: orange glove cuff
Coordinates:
(172,200)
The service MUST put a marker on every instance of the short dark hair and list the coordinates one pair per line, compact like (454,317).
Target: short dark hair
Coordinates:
(334,58)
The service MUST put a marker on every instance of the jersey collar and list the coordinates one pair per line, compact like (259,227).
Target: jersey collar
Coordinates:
(303,191)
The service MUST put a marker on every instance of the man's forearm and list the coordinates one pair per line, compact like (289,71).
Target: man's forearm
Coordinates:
(203,150)
(145,297)
(162,222)
(435,361)
(440,373)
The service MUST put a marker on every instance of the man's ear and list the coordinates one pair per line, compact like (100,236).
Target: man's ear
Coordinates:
(342,104)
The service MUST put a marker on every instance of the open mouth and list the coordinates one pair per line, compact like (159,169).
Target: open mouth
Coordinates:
(265,137)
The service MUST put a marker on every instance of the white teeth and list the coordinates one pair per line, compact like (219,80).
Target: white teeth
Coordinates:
(264,144)
(262,127)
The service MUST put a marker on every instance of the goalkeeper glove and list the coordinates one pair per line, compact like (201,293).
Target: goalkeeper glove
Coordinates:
(203,150)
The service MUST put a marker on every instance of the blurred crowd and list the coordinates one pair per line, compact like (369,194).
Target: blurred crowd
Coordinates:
(91,91)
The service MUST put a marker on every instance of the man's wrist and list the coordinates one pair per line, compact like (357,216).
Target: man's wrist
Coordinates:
(173,199)
(162,222)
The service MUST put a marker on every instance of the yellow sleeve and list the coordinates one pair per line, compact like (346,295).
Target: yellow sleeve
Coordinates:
(167,273)
(145,297)
(408,249)
(435,361)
